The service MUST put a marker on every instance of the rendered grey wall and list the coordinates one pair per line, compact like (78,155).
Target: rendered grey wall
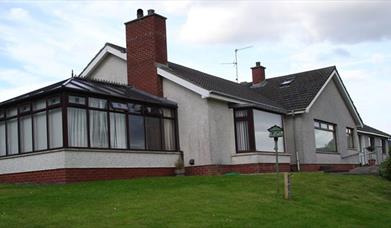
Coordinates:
(194,132)
(111,68)
(329,107)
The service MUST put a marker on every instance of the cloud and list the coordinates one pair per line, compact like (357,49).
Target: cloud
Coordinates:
(338,22)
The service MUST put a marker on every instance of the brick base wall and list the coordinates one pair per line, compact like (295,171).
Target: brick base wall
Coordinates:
(85,174)
(324,167)
(245,168)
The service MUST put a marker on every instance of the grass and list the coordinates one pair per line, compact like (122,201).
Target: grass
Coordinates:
(318,200)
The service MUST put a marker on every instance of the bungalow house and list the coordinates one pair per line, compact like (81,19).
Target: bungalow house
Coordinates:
(133,113)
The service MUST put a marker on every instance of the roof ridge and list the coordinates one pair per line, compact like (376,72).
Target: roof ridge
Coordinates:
(102,81)
(302,72)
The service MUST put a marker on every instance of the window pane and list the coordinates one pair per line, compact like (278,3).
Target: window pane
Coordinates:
(153,133)
(316,124)
(2,139)
(241,113)
(77,100)
(349,137)
(169,134)
(325,141)
(12,136)
(323,125)
(168,112)
(118,130)
(77,127)
(24,108)
(119,106)
(54,101)
(136,132)
(40,131)
(97,103)
(55,128)
(135,108)
(331,127)
(262,122)
(26,137)
(99,129)
(12,112)
(2,115)
(153,111)
(41,104)
(242,136)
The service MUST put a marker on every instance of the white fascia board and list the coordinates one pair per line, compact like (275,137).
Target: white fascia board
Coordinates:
(371,133)
(320,91)
(172,77)
(345,93)
(99,57)
(223,98)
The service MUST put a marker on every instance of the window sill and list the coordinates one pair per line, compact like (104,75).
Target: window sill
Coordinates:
(327,152)
(247,153)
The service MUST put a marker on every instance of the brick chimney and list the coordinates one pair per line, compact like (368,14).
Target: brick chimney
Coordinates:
(146,45)
(258,73)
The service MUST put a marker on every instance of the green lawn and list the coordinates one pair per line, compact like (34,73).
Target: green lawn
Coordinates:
(327,200)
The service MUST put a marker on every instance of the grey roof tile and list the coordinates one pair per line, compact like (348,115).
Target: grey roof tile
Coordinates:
(369,129)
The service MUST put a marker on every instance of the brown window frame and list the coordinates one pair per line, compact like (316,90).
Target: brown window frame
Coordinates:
(328,128)
(350,134)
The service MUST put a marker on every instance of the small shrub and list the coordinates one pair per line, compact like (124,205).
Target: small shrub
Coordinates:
(385,168)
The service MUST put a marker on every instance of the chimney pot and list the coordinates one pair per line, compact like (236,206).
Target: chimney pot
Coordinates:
(151,11)
(140,13)
(257,64)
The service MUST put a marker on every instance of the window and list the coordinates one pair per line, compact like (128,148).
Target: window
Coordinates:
(262,122)
(39,105)
(12,136)
(242,130)
(119,106)
(77,100)
(153,133)
(26,137)
(325,137)
(372,142)
(24,108)
(3,147)
(118,130)
(99,137)
(350,138)
(54,101)
(287,82)
(77,127)
(136,132)
(383,146)
(55,128)
(12,112)
(40,132)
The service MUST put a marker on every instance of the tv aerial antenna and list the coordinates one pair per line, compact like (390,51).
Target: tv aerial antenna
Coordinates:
(235,62)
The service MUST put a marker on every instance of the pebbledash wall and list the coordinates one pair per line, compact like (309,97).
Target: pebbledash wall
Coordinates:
(71,165)
(329,107)
(207,135)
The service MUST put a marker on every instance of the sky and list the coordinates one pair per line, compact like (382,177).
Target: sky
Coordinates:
(41,42)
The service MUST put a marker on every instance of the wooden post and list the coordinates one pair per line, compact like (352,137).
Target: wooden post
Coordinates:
(286,185)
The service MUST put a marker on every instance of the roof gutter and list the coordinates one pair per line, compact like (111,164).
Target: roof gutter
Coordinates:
(375,134)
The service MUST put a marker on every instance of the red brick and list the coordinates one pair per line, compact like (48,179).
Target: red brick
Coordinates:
(146,45)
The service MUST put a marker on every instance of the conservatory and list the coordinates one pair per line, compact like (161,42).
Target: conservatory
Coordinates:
(87,115)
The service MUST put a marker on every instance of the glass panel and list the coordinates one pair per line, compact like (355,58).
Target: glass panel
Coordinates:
(262,122)
(136,132)
(12,112)
(54,101)
(153,133)
(241,113)
(77,100)
(40,131)
(55,128)
(119,106)
(242,136)
(41,104)
(323,125)
(153,111)
(331,127)
(325,141)
(26,134)
(12,136)
(2,115)
(118,130)
(99,133)
(316,124)
(169,134)
(77,127)
(168,112)
(97,103)
(2,139)
(24,108)
(135,108)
